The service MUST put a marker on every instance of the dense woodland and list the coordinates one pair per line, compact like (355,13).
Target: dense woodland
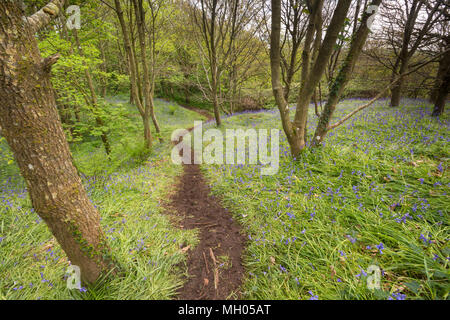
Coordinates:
(91,91)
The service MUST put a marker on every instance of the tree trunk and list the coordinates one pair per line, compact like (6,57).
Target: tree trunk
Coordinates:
(444,84)
(214,87)
(311,76)
(343,77)
(140,19)
(216,106)
(408,49)
(397,90)
(29,121)
(132,68)
(104,68)
(275,66)
(152,77)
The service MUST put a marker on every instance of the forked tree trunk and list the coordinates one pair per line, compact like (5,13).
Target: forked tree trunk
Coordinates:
(29,121)
(133,72)
(296,131)
(152,44)
(140,18)
(148,96)
(343,77)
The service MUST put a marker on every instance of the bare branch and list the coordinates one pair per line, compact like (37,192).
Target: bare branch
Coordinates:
(381,93)
(48,62)
(43,17)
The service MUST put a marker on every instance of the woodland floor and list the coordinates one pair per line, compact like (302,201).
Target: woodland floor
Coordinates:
(376,194)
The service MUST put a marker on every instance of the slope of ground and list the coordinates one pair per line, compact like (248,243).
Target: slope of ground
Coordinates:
(375,194)
(130,192)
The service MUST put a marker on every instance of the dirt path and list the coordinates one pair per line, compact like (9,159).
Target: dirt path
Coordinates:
(215,264)
(203,112)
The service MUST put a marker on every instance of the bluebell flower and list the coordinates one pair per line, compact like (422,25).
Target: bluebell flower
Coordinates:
(313,296)
(362,273)
(397,296)
(351,239)
(425,239)
(380,247)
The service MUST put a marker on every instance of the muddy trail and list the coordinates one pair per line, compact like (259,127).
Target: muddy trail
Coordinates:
(215,269)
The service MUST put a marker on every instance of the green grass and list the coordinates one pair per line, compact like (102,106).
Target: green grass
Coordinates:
(314,227)
(129,191)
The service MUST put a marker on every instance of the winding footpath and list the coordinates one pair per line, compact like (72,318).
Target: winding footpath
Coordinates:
(215,265)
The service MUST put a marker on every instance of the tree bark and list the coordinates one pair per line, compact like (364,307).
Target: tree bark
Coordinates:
(104,68)
(29,121)
(275,66)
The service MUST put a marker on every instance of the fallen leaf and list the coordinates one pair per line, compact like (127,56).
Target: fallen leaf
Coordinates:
(333,272)
(183,250)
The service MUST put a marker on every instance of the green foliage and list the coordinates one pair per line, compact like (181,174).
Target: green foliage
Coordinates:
(6,160)
(172,109)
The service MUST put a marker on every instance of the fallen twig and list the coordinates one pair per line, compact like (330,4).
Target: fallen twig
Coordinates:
(216,270)
(206,262)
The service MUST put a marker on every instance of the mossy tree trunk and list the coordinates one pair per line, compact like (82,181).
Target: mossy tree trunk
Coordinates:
(30,123)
